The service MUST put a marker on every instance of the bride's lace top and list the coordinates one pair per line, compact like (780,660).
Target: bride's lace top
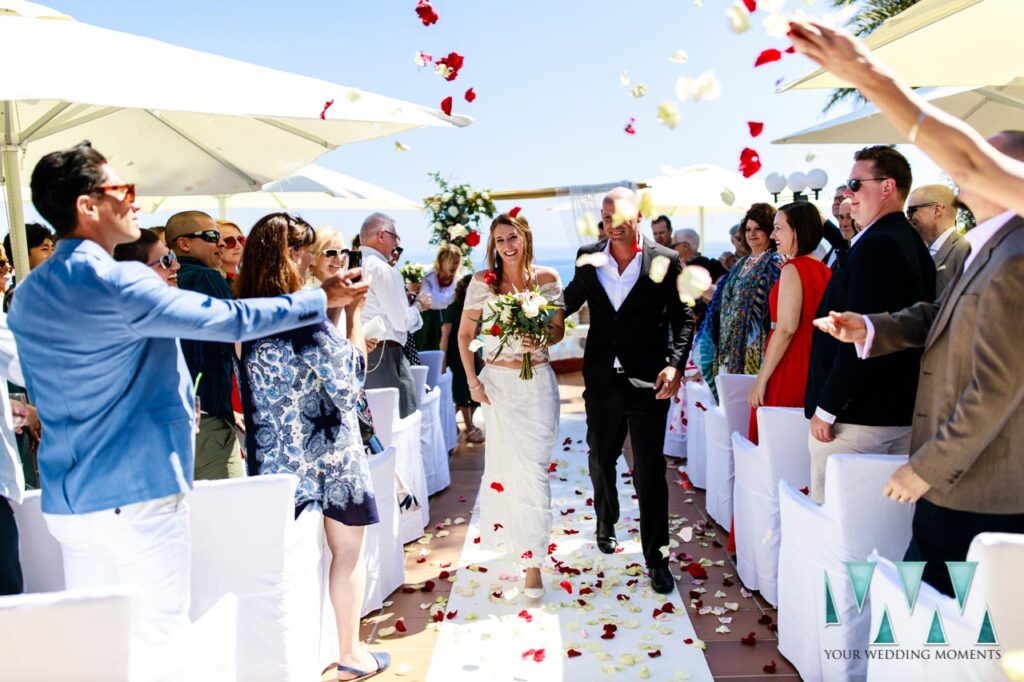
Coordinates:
(479,294)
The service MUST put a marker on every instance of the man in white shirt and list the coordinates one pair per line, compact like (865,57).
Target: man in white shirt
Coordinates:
(12,478)
(931,210)
(387,366)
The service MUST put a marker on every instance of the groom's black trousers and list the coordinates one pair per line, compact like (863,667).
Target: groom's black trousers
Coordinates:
(609,411)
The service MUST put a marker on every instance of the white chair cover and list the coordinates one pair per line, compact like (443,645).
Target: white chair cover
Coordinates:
(676,434)
(385,561)
(42,562)
(855,519)
(432,445)
(246,541)
(433,359)
(699,400)
(961,631)
(732,414)
(404,436)
(781,454)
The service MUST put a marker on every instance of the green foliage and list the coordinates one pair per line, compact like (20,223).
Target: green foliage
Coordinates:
(455,214)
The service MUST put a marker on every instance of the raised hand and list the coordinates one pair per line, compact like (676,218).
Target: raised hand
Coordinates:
(847,327)
(834,50)
(342,291)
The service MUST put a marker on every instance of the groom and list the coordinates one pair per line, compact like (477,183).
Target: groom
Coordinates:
(640,336)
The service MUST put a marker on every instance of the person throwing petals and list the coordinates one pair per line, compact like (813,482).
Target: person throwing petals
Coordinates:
(518,392)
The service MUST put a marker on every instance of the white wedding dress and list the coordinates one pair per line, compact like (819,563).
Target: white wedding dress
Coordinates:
(522,430)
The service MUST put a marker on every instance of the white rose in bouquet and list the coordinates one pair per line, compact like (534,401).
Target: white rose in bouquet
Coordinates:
(453,211)
(437,225)
(446,197)
(456,231)
(533,304)
(485,196)
(459,200)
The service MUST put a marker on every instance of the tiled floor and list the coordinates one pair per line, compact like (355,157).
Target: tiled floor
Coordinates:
(728,657)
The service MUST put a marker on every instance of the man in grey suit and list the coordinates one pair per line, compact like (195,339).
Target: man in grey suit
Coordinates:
(966,471)
(931,210)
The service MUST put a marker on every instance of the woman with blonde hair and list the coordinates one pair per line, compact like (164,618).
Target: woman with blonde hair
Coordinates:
(440,284)
(329,258)
(521,415)
(300,389)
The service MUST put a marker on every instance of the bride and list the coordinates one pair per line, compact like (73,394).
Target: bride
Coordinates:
(521,415)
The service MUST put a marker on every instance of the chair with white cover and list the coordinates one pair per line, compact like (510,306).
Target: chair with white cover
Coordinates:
(855,520)
(383,555)
(699,400)
(432,445)
(996,586)
(781,454)
(433,360)
(247,541)
(731,414)
(404,436)
(42,562)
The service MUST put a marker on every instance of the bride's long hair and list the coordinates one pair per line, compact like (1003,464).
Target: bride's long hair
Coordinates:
(495,263)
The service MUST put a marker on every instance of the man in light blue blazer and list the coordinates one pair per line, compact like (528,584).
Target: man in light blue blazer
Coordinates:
(98,342)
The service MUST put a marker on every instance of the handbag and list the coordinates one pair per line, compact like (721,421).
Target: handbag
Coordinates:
(371,443)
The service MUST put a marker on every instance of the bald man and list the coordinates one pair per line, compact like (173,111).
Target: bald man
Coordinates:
(931,211)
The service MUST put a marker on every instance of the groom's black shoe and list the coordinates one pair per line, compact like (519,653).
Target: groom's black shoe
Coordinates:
(661,580)
(606,541)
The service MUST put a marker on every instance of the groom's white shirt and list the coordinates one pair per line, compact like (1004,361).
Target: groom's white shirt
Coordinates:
(616,285)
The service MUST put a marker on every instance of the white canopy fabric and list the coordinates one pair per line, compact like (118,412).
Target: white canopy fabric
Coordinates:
(944,43)
(173,120)
(989,110)
(312,187)
(701,189)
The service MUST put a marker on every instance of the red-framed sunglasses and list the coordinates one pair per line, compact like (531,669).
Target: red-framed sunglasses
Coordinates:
(119,192)
(232,242)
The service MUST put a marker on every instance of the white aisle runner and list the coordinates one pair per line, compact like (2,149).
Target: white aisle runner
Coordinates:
(599,618)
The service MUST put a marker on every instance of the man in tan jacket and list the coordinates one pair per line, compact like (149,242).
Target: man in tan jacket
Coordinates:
(966,469)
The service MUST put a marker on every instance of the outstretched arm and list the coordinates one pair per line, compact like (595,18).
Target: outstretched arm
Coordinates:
(956,147)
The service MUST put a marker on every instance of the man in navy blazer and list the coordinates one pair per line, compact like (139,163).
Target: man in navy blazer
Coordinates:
(98,342)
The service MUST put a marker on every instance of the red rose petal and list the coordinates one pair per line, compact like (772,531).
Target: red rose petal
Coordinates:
(768,56)
(749,640)
(527,555)
(805,490)
(751,5)
(654,654)
(790,50)
(498,527)
(750,162)
(438,616)
(482,569)
(765,619)
(756,128)
(443,575)
(454,62)
(470,95)
(327,105)
(570,531)
(514,212)
(462,498)
(688,640)
(476,541)
(700,406)
(407,590)
(400,625)
(656,613)
(490,278)
(696,571)
(495,486)
(473,238)
(426,12)
(421,560)
(668,607)
(552,547)
(451,614)
(538,655)
(428,586)
(573,653)
(630,130)
(553,467)
(446,106)
(770,668)
(525,615)
(566,585)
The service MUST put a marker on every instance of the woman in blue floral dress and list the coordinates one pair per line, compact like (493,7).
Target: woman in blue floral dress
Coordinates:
(299,391)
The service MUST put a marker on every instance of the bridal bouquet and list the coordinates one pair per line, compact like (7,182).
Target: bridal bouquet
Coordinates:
(518,316)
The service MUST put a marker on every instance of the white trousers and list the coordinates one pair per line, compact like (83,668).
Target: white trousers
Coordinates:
(854,439)
(147,544)
(522,429)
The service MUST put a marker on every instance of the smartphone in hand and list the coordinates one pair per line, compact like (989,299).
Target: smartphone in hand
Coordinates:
(355,260)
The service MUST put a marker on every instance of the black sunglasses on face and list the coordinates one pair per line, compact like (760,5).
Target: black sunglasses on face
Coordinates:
(854,184)
(210,236)
(911,210)
(165,261)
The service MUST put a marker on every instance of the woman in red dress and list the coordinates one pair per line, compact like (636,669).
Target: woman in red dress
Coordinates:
(793,303)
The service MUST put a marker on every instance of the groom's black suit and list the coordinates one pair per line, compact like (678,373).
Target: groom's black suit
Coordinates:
(651,330)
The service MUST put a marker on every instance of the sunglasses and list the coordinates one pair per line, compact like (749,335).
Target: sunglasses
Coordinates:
(854,184)
(210,236)
(396,252)
(335,253)
(911,210)
(5,267)
(119,192)
(232,242)
(165,261)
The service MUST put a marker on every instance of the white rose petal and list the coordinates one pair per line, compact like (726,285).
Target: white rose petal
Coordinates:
(704,86)
(624,78)
(687,534)
(679,57)
(475,345)
(776,25)
(587,226)
(659,268)
(728,197)
(625,210)
(596,260)
(693,282)
(399,147)
(638,90)
(668,115)
(810,156)
(353,95)
(723,629)
(739,17)
(732,606)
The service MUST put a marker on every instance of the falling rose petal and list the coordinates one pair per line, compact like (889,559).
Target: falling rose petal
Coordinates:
(624,78)
(755,127)
(498,527)
(728,197)
(658,270)
(703,87)
(452,614)
(770,668)
(586,226)
(327,105)
(474,346)
(495,486)
(790,50)
(514,212)
(470,95)
(638,90)
(630,130)
(751,5)
(596,260)
(750,162)
(679,57)
(739,17)
(692,283)
(810,156)
(776,25)
(767,57)
(399,147)
(426,12)
(668,115)
(353,95)
(625,210)
(573,653)
(805,490)
(527,555)
(566,585)
(646,205)
(553,467)
(446,106)
(421,59)
(525,615)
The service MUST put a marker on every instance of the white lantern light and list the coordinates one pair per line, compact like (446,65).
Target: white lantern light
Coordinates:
(797,181)
(775,183)
(817,179)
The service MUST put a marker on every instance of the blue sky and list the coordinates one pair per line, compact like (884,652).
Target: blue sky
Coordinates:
(550,108)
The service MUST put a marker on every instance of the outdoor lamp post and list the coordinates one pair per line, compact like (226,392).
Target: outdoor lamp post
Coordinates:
(797,181)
